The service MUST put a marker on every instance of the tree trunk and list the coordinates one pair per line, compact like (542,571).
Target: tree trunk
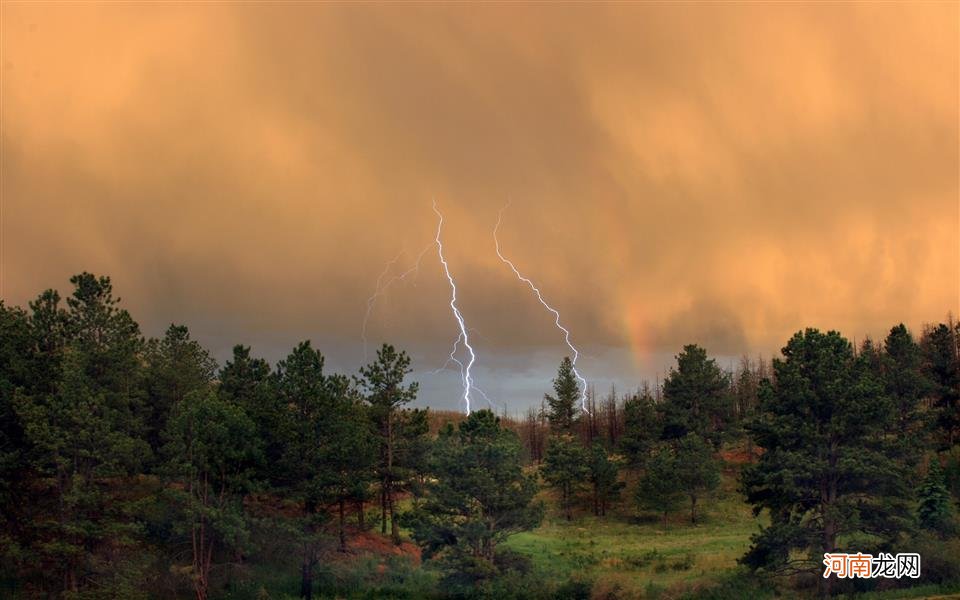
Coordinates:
(828,492)
(383,506)
(361,520)
(306,578)
(829,543)
(693,509)
(309,553)
(394,527)
(343,520)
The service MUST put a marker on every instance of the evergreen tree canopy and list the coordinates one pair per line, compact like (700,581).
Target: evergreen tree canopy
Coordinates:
(17,359)
(828,472)
(659,488)
(477,495)
(565,467)
(602,474)
(934,510)
(695,397)
(211,450)
(381,382)
(82,427)
(641,429)
(941,362)
(175,367)
(563,404)
(248,383)
(697,471)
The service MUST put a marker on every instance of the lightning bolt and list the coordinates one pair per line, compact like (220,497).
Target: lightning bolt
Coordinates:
(464,369)
(556,314)
(382,287)
(453,359)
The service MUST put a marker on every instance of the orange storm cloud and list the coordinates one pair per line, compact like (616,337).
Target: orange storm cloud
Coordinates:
(715,173)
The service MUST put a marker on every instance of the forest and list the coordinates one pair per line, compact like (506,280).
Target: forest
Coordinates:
(135,467)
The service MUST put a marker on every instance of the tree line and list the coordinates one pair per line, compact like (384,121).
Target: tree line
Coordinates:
(848,449)
(127,461)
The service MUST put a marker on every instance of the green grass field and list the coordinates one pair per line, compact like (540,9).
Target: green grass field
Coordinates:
(636,553)
(630,555)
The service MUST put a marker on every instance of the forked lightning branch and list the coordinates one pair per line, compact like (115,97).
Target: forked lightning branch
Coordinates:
(468,357)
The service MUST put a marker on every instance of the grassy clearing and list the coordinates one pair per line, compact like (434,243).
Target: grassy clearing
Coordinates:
(635,553)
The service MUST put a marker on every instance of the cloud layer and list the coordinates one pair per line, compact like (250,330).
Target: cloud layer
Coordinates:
(724,174)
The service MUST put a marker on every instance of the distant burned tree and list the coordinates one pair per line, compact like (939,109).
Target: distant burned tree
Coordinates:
(611,418)
(533,433)
(590,420)
(746,386)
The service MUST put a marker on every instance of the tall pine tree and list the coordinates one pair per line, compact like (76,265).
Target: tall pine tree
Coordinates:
(477,496)
(829,471)
(382,384)
(695,397)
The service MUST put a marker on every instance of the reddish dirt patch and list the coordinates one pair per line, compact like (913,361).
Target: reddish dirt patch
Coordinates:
(360,543)
(740,456)
(370,543)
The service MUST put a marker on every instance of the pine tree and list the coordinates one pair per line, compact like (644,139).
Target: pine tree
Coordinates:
(79,443)
(565,468)
(308,396)
(641,429)
(175,367)
(697,471)
(211,448)
(48,325)
(602,475)
(248,383)
(659,489)
(348,457)
(829,468)
(476,497)
(695,397)
(941,363)
(83,431)
(563,404)
(412,451)
(16,364)
(382,384)
(899,367)
(934,510)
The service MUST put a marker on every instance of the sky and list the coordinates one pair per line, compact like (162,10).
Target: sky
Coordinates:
(720,174)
